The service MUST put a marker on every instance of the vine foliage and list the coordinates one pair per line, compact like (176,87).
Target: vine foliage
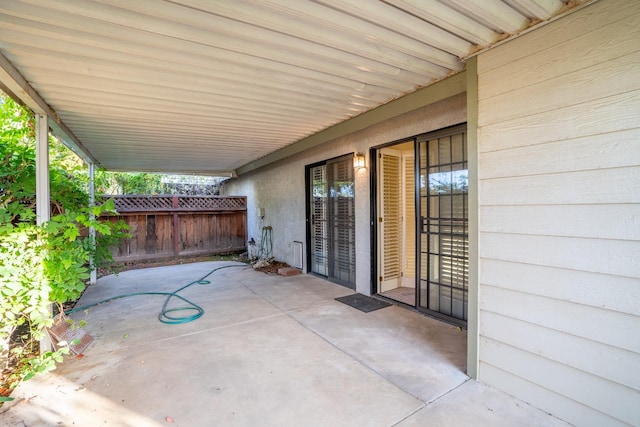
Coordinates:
(44,265)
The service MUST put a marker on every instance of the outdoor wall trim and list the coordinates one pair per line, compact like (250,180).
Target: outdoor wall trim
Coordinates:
(435,92)
(474,258)
(16,86)
(570,7)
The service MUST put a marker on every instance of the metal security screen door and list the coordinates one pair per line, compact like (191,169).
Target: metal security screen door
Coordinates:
(443,244)
(331,220)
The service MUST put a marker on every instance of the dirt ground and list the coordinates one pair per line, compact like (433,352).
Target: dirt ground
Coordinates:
(271,268)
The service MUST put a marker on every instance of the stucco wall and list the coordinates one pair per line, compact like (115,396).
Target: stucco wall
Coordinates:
(559,216)
(279,188)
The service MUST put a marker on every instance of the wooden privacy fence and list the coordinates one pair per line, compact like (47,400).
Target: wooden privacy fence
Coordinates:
(164,227)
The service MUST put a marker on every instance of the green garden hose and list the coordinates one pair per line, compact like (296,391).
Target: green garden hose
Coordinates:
(166,314)
(266,244)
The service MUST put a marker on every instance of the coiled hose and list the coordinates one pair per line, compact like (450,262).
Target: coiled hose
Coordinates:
(266,244)
(166,315)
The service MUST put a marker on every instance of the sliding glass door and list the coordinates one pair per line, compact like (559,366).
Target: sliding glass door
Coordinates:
(331,220)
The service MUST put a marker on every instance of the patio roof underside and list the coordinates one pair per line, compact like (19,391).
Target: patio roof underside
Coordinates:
(200,86)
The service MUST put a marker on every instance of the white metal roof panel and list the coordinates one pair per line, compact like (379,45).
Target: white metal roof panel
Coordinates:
(208,86)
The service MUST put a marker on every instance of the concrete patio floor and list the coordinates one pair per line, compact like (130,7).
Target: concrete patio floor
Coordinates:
(269,351)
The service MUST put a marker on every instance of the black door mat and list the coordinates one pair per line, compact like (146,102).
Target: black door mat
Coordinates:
(363,302)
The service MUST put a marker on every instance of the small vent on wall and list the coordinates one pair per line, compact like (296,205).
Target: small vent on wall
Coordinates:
(297,254)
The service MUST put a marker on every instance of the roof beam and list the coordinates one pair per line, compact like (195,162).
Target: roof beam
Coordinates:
(16,86)
(435,92)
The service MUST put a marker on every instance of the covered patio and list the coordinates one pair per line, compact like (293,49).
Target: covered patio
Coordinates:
(278,95)
(269,350)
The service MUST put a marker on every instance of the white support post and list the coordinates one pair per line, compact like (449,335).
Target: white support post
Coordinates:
(43,202)
(92,230)
(473,318)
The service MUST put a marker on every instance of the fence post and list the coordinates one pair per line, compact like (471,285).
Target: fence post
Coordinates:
(176,227)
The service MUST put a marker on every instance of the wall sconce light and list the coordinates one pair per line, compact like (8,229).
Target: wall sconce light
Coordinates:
(358,161)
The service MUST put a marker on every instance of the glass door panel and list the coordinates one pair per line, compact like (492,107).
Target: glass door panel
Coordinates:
(319,201)
(443,225)
(341,221)
(332,220)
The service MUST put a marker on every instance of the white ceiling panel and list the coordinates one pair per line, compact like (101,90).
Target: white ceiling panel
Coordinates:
(203,86)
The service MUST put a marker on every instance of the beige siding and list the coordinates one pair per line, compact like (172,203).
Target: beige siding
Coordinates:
(559,196)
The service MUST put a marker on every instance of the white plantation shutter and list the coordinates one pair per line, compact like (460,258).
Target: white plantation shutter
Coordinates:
(392,217)
(319,221)
(409,217)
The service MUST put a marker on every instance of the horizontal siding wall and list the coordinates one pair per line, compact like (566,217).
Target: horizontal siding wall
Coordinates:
(559,215)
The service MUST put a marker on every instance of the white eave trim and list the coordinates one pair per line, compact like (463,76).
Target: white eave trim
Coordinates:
(570,8)
(18,87)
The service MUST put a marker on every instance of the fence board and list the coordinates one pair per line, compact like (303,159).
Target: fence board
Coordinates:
(151,236)
(164,234)
(206,225)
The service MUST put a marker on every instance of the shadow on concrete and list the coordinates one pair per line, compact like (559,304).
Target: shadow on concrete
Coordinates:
(268,351)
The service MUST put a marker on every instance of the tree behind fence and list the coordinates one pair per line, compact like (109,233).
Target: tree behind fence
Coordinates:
(172,226)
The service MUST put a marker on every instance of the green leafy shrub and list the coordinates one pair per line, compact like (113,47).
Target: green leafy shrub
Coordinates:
(41,265)
(46,264)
